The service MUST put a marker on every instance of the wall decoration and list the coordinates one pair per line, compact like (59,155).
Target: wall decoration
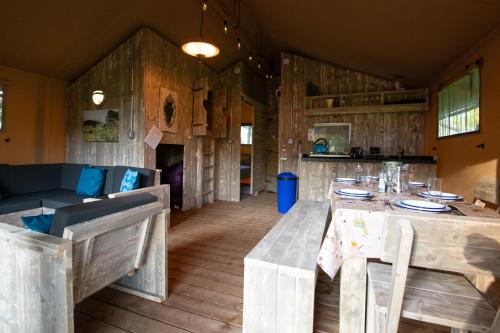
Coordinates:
(153,138)
(101,125)
(168,111)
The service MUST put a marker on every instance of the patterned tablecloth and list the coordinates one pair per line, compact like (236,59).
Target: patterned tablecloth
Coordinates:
(357,226)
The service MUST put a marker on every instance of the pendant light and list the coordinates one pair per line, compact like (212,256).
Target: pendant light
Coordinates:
(201,49)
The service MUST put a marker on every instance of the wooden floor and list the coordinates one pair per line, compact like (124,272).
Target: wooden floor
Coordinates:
(206,251)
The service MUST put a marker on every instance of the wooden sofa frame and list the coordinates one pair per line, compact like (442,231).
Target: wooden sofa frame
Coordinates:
(43,277)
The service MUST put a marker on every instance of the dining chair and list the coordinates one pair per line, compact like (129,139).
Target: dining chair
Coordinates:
(401,240)
(488,189)
(446,247)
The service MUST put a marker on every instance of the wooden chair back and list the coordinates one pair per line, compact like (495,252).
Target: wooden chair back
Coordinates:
(107,248)
(401,240)
(488,190)
(458,244)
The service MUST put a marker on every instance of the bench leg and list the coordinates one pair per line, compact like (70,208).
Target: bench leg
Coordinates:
(353,296)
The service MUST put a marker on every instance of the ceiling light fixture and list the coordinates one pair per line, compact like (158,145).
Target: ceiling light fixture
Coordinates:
(97,97)
(201,49)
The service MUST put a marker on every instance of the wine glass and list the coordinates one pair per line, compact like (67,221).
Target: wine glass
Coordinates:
(434,188)
(358,167)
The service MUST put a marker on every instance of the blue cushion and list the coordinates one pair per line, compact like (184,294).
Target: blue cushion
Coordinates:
(39,223)
(91,182)
(130,181)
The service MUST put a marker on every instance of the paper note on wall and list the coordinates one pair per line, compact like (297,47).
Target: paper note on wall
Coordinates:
(310,134)
(154,137)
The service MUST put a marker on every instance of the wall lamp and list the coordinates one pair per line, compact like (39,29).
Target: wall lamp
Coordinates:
(97,97)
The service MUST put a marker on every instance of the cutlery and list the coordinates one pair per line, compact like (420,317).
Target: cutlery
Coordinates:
(455,210)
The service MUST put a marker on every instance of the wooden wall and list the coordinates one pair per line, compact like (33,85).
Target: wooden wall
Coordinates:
(147,62)
(392,132)
(272,128)
(227,150)
(113,75)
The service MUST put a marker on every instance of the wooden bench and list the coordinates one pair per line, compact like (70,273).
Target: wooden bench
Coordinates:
(43,277)
(281,271)
(454,244)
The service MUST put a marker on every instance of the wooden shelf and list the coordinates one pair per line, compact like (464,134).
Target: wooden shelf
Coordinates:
(373,102)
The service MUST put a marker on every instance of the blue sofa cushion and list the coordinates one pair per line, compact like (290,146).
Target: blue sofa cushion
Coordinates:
(147,177)
(130,181)
(70,215)
(91,182)
(39,223)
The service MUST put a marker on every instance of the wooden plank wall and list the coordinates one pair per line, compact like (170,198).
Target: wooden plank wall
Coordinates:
(258,147)
(113,75)
(272,128)
(227,150)
(392,132)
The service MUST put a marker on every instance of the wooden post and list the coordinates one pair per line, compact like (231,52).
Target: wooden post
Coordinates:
(353,296)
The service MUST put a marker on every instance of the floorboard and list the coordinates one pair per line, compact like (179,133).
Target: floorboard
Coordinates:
(206,251)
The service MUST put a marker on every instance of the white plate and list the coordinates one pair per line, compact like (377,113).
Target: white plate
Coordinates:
(445,209)
(354,196)
(423,204)
(361,193)
(345,180)
(416,184)
(443,196)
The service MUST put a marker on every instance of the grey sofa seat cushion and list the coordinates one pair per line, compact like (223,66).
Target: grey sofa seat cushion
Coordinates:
(60,198)
(18,203)
(147,177)
(70,215)
(30,178)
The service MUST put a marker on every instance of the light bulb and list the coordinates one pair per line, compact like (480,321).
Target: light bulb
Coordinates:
(97,97)
(239,43)
(205,5)
(250,57)
(225,27)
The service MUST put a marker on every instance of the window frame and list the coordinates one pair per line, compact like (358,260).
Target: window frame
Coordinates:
(453,80)
(250,125)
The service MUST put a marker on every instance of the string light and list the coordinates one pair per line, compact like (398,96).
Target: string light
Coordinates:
(250,57)
(259,65)
(239,43)
(226,30)
(205,5)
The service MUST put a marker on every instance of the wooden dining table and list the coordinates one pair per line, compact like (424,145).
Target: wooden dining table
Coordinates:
(355,235)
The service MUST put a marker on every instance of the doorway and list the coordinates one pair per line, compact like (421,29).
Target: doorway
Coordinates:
(246,149)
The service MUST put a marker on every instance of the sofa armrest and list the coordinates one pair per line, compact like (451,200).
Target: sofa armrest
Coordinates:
(161,191)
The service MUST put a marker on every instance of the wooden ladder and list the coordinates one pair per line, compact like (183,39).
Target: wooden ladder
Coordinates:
(206,172)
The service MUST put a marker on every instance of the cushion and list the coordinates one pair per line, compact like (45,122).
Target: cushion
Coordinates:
(39,223)
(32,178)
(130,181)
(70,174)
(71,215)
(91,182)
(147,177)
(18,203)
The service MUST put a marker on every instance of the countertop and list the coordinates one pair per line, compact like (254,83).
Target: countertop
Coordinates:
(421,159)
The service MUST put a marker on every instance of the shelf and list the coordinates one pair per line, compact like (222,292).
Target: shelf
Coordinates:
(372,102)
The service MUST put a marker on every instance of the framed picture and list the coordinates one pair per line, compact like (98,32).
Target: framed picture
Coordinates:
(101,125)
(167,113)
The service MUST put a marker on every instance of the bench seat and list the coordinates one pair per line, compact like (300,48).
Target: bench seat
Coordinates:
(438,298)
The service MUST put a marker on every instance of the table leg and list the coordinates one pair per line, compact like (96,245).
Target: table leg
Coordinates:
(353,296)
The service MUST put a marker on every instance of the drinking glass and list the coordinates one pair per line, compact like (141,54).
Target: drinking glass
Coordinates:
(358,167)
(368,181)
(434,188)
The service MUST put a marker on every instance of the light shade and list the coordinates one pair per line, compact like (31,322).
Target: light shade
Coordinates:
(97,97)
(200,49)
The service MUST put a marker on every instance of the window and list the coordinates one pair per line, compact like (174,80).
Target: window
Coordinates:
(459,106)
(246,134)
(1,108)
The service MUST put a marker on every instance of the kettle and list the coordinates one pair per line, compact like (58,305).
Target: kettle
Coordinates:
(320,146)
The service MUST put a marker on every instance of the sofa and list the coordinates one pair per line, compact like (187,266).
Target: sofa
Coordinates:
(24,187)
(120,241)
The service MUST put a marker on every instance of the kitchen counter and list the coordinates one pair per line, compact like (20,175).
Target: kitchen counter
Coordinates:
(372,159)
